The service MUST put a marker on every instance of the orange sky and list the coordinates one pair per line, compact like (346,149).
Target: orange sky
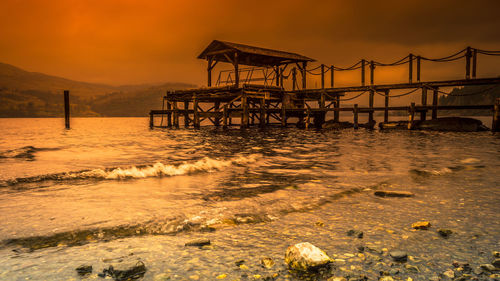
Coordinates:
(139,41)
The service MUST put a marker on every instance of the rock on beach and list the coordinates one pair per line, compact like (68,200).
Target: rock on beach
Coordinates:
(305,256)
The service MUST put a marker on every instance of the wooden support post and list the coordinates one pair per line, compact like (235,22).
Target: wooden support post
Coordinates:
(474,62)
(308,118)
(196,115)
(435,103)
(176,115)
(66,109)
(283,111)
(244,111)
(229,116)
(209,72)
(468,56)
(331,76)
(267,113)
(294,78)
(262,118)
(418,68)
(277,71)
(169,114)
(410,68)
(370,103)
(411,115)
(321,101)
(186,114)
(304,78)
(355,112)
(236,71)
(495,125)
(281,77)
(423,114)
(336,113)
(386,106)
(224,118)
(362,72)
(151,120)
(372,72)
(216,109)
(322,76)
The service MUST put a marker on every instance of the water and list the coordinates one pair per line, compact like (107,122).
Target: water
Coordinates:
(110,189)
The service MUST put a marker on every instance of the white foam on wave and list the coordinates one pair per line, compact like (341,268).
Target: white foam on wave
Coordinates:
(159,169)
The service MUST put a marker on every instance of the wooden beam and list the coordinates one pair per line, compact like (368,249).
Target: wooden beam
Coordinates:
(186,114)
(495,125)
(304,77)
(169,114)
(435,103)
(236,71)
(370,102)
(362,72)
(196,116)
(322,76)
(410,68)
(66,109)
(355,116)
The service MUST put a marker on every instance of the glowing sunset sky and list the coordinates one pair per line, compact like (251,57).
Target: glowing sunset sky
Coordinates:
(132,41)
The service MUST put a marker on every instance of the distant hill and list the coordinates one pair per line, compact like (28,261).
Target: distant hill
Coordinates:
(472,95)
(32,94)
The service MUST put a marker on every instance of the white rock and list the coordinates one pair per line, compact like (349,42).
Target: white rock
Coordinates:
(304,256)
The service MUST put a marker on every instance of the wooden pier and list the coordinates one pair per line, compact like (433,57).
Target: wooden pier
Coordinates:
(257,95)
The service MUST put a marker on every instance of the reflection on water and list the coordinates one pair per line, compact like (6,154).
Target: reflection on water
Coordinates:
(110,188)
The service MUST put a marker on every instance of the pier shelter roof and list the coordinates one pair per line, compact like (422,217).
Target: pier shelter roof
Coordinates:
(249,55)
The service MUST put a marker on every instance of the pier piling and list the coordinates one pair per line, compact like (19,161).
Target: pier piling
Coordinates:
(66,109)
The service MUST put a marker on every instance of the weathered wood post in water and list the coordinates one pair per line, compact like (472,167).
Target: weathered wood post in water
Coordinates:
(386,106)
(66,108)
(423,113)
(495,126)
(355,112)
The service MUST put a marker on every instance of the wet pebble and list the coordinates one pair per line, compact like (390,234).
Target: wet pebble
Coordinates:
(198,243)
(84,269)
(400,256)
(445,233)
(422,225)
(355,233)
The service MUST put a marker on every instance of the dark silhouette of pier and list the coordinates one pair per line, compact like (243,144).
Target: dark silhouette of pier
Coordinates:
(257,96)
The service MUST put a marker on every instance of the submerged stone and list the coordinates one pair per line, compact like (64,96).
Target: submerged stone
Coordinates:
(198,242)
(355,233)
(392,193)
(423,225)
(488,267)
(445,232)
(305,256)
(398,255)
(84,269)
(125,271)
(496,263)
(267,262)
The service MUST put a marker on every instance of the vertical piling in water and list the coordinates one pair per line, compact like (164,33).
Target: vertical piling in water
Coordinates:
(495,125)
(262,118)
(196,115)
(224,117)
(186,114)
(411,116)
(66,109)
(244,111)
(169,114)
(151,120)
(370,102)
(355,112)
(423,114)
(435,103)
(336,113)
(217,118)
(386,106)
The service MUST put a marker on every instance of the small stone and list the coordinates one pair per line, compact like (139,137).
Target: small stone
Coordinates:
(361,249)
(495,276)
(126,270)
(393,271)
(449,273)
(392,193)
(434,278)
(478,271)
(386,278)
(412,268)
(399,256)
(495,254)
(445,233)
(355,233)
(319,224)
(221,276)
(84,269)
(423,225)
(488,267)
(243,267)
(194,277)
(496,263)
(267,262)
(239,262)
(198,243)
(257,276)
(305,256)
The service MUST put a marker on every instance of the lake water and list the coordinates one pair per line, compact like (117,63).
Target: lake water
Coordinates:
(111,189)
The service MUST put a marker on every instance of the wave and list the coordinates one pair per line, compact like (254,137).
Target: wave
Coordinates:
(25,152)
(135,172)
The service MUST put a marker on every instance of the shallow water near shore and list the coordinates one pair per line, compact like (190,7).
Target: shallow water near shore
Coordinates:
(110,189)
